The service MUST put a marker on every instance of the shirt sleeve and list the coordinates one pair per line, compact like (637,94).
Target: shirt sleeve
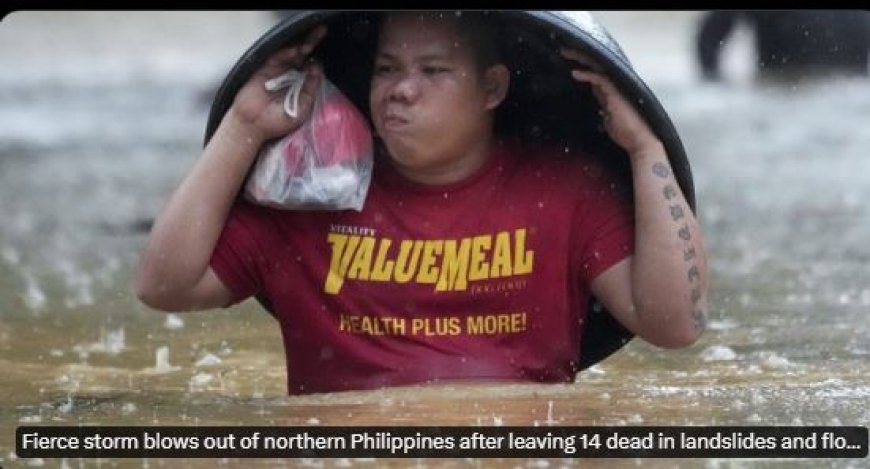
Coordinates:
(604,221)
(239,256)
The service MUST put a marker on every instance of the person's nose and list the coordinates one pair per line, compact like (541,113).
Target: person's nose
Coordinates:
(406,88)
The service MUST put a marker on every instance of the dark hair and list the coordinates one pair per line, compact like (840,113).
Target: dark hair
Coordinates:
(482,34)
(478,29)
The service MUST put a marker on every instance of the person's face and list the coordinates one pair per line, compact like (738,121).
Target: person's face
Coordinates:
(428,101)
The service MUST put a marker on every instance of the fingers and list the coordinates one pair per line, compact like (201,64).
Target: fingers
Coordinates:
(593,73)
(294,56)
(602,87)
(313,39)
(581,58)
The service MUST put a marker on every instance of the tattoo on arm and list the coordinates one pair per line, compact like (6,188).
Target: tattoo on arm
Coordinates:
(689,254)
(660,169)
(693,274)
(684,233)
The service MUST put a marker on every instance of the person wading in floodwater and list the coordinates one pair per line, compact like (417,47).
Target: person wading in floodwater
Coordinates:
(790,44)
(474,256)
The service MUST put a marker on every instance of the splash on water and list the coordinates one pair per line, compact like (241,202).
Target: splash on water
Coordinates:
(161,362)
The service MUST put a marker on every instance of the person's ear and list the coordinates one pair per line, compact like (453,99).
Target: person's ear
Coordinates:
(496,81)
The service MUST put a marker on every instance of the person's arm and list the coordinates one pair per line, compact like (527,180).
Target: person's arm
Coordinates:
(660,292)
(173,272)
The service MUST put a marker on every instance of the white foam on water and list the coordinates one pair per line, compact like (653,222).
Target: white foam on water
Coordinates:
(173,322)
(773,361)
(208,360)
(200,379)
(847,392)
(111,342)
(722,324)
(718,353)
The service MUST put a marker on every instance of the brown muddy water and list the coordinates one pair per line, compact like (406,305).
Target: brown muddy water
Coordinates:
(102,113)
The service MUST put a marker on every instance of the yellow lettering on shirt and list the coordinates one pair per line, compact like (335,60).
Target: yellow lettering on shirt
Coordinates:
(362,260)
(383,269)
(523,260)
(454,266)
(448,264)
(406,267)
(501,256)
(479,267)
(428,272)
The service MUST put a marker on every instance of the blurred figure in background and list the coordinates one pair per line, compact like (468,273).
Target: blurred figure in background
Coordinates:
(790,44)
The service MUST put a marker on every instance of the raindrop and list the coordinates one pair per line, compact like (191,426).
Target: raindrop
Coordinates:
(550,420)
(34,297)
(67,406)
(161,358)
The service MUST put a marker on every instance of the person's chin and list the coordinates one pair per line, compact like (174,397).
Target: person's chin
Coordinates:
(404,151)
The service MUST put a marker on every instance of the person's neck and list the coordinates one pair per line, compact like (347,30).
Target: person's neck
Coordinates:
(456,170)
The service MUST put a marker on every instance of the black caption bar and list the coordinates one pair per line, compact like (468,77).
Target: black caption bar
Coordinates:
(441,442)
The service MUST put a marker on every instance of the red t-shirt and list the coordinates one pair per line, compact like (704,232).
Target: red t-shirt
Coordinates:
(485,279)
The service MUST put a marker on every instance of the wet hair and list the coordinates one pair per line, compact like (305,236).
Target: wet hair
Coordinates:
(478,29)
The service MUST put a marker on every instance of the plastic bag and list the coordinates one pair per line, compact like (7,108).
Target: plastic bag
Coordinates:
(326,164)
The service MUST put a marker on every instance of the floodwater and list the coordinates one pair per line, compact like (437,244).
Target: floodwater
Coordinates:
(102,113)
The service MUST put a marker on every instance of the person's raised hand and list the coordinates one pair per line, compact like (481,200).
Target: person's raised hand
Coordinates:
(621,120)
(262,111)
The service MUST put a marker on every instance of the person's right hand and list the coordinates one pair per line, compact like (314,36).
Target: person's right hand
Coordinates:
(261,111)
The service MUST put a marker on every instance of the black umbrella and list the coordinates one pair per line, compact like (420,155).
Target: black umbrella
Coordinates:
(544,104)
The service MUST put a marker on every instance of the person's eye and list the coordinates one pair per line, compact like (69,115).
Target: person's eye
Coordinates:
(384,69)
(431,70)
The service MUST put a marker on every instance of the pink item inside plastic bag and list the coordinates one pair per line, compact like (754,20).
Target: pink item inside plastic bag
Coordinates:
(325,164)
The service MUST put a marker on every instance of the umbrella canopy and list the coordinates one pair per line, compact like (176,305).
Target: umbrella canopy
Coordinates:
(544,103)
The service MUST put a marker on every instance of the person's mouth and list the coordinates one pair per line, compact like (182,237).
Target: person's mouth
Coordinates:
(394,121)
